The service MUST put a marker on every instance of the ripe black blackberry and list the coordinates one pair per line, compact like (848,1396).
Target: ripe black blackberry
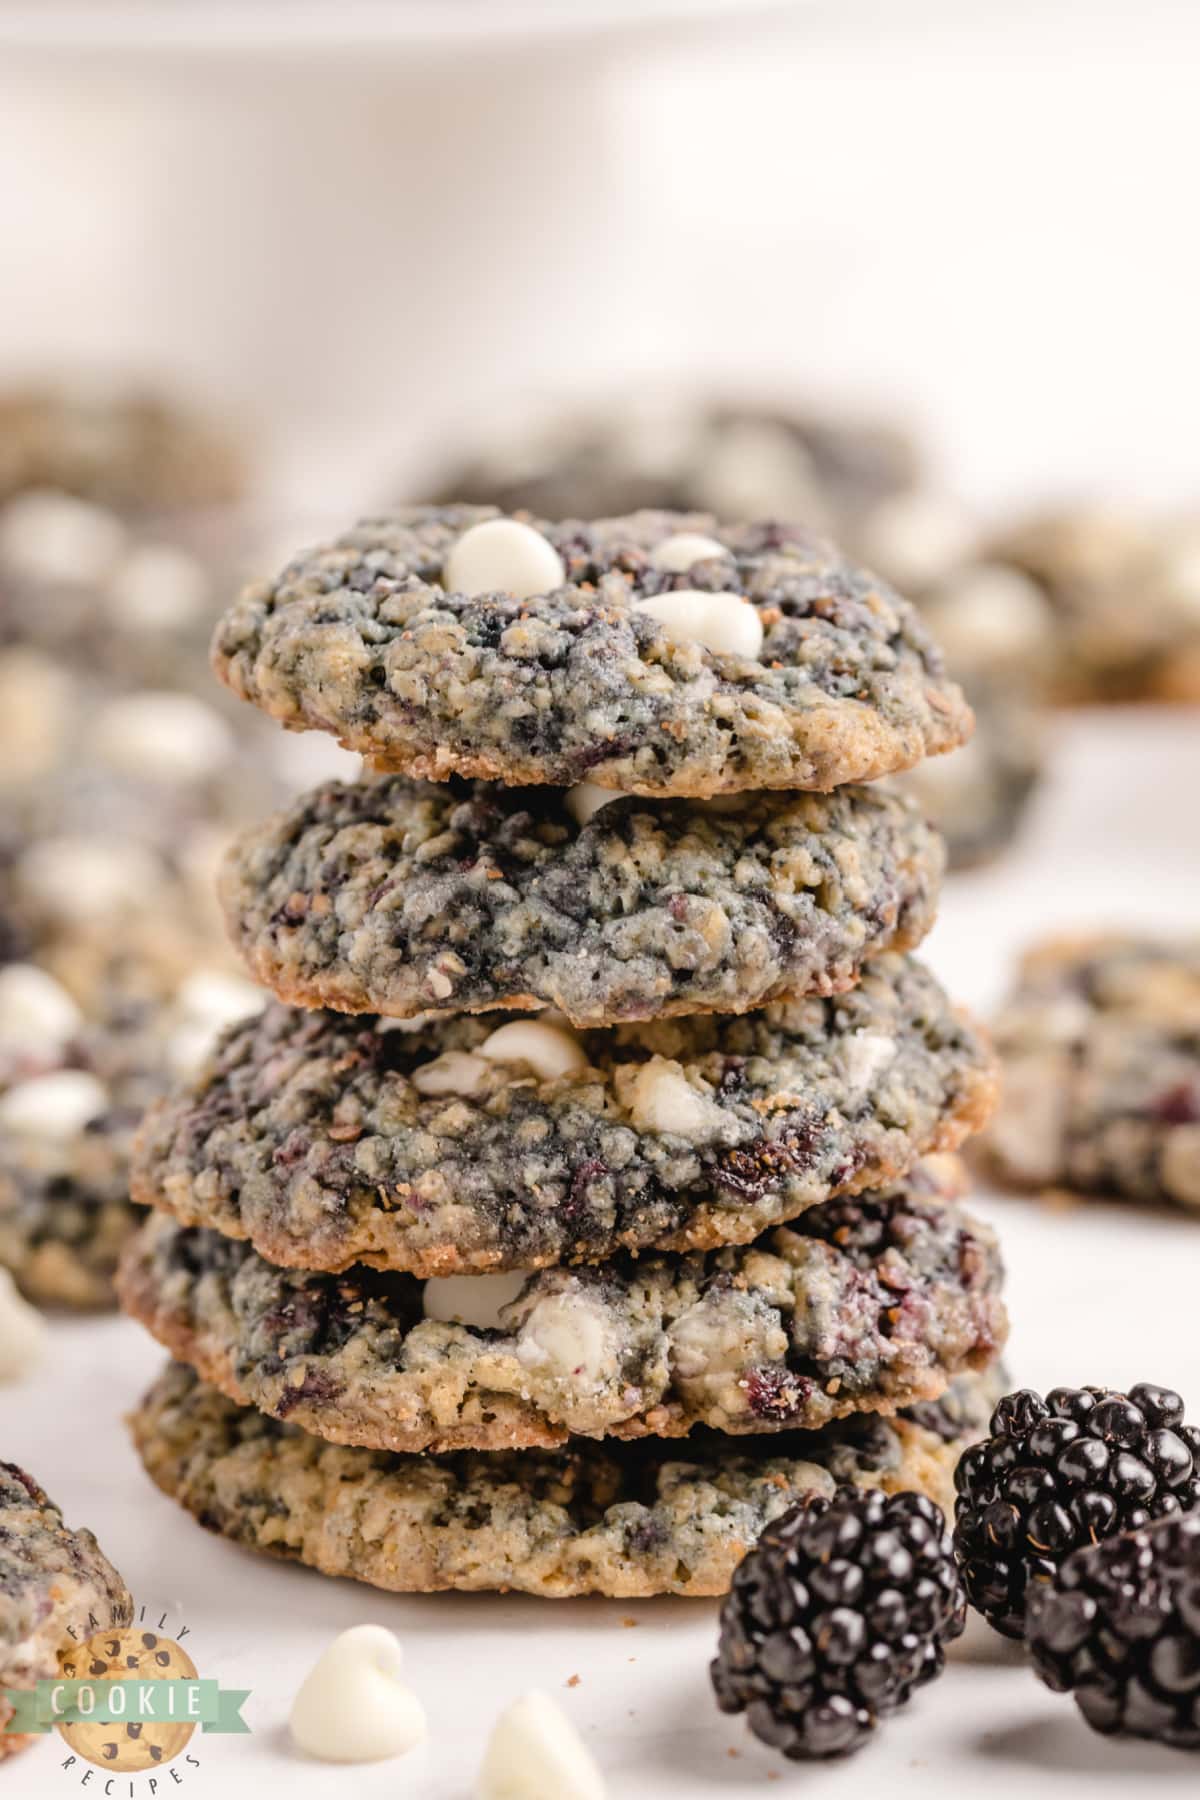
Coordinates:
(840,1611)
(1059,1474)
(1120,1629)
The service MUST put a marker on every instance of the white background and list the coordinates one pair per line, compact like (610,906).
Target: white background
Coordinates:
(982,212)
(1101,1293)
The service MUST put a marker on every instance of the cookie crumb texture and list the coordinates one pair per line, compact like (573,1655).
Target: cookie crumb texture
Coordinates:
(1101,1051)
(626,1520)
(359,638)
(394,897)
(320,1138)
(52,1580)
(867,1304)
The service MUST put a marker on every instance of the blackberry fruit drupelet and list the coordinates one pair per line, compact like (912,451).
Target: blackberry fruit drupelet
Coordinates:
(840,1611)
(1059,1474)
(1120,1628)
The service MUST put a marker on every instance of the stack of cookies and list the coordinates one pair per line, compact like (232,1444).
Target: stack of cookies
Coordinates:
(580,1201)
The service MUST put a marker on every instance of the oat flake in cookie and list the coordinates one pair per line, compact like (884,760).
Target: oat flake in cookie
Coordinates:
(52,1581)
(866,1304)
(1101,1052)
(394,896)
(767,663)
(328,1140)
(624,1520)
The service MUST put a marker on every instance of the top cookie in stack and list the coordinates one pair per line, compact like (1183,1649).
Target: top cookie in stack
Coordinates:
(440,1216)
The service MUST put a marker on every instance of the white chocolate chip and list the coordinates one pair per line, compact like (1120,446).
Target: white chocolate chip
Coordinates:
(586,799)
(549,1050)
(52,537)
(354,1706)
(917,538)
(865,1054)
(53,1106)
(206,1003)
(475,1300)
(163,737)
(535,1753)
(679,553)
(158,587)
(663,1099)
(38,1017)
(455,1072)
(305,759)
(724,623)
(22,1332)
(82,880)
(569,1335)
(989,614)
(503,556)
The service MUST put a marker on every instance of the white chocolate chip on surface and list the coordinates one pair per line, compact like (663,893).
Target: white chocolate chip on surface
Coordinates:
(23,1332)
(456,1072)
(535,1753)
(82,880)
(354,1705)
(38,1018)
(475,1300)
(724,623)
(37,706)
(158,587)
(54,1106)
(864,1055)
(568,1335)
(661,1098)
(503,556)
(916,538)
(987,615)
(586,799)
(679,553)
(163,737)
(52,537)
(208,1001)
(549,1050)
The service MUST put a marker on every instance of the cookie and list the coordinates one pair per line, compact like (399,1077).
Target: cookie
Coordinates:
(625,1520)
(328,1140)
(866,1304)
(72,1092)
(134,451)
(734,459)
(978,798)
(392,896)
(823,675)
(1124,590)
(1101,1057)
(54,1583)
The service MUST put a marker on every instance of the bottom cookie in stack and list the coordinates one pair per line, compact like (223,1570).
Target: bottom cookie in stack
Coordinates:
(625,1520)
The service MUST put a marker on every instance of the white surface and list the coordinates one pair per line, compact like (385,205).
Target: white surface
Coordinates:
(1098,1293)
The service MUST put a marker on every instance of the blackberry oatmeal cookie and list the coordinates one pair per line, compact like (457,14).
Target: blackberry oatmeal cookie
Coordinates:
(450,1146)
(73,1089)
(1100,1046)
(736,459)
(53,1583)
(393,896)
(865,1304)
(978,797)
(625,1520)
(655,654)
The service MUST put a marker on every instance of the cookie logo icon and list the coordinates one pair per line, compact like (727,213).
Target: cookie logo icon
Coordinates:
(132,1655)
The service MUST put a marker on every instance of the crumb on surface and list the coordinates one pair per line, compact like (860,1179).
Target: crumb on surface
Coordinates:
(572,1681)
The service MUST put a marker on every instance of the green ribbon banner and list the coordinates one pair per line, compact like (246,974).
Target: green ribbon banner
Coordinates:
(177,1702)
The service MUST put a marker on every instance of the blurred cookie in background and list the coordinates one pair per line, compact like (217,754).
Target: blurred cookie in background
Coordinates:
(1100,1048)
(737,460)
(1124,589)
(73,1087)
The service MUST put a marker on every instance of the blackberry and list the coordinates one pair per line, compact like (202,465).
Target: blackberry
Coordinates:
(839,1612)
(1120,1629)
(1062,1473)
